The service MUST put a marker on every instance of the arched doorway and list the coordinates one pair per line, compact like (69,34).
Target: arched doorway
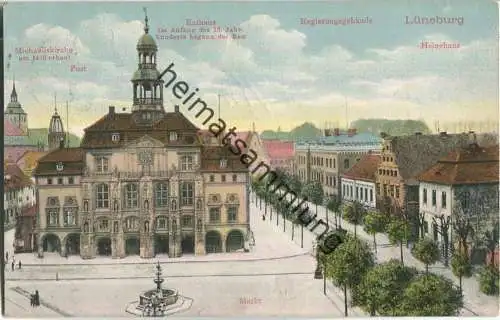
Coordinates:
(161,244)
(51,243)
(132,246)
(73,244)
(104,247)
(213,242)
(187,244)
(235,241)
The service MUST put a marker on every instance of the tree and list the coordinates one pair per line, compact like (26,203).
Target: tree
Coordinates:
(463,230)
(490,242)
(381,289)
(426,251)
(375,222)
(461,266)
(334,204)
(347,265)
(488,280)
(316,194)
(354,214)
(430,295)
(398,231)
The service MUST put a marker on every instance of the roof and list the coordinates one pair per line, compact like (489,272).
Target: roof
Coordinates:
(364,169)
(14,178)
(470,165)
(30,159)
(99,134)
(73,160)
(416,153)
(343,138)
(277,149)
(211,160)
(40,135)
(244,135)
(10,129)
(18,141)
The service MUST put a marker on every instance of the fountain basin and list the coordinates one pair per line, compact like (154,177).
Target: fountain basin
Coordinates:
(168,297)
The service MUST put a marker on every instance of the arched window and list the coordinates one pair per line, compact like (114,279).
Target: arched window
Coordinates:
(346,163)
(161,195)
(102,196)
(131,195)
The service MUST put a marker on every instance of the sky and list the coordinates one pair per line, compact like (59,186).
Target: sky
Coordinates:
(281,74)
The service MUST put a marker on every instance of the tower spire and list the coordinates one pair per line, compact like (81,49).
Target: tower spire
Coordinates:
(55,102)
(146,25)
(13,95)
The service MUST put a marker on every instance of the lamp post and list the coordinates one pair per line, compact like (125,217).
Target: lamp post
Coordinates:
(444,226)
(174,230)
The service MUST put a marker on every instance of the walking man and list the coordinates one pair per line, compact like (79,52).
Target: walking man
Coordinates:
(37,298)
(7,255)
(13,265)
(19,265)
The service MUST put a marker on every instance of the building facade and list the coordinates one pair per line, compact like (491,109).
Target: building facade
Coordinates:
(465,183)
(142,183)
(358,183)
(329,157)
(19,193)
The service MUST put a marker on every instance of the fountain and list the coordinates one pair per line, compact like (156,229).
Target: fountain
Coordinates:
(159,302)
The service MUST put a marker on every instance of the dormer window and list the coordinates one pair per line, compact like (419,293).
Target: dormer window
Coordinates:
(59,166)
(223,163)
(173,136)
(115,137)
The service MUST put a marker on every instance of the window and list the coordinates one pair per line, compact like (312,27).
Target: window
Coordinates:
(102,196)
(334,163)
(371,195)
(71,180)
(187,162)
(235,178)
(212,178)
(424,196)
(434,197)
(161,223)
(223,178)
(59,181)
(69,218)
(173,136)
(161,195)
(187,193)
(53,218)
(397,191)
(103,225)
(131,195)
(214,215)
(101,164)
(443,200)
(187,221)
(350,191)
(366,194)
(115,137)
(357,193)
(223,163)
(346,164)
(49,181)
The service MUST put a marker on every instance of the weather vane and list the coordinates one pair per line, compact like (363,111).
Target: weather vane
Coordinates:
(146,28)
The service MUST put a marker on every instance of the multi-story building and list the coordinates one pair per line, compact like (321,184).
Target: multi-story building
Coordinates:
(141,183)
(19,193)
(465,182)
(280,154)
(404,158)
(326,159)
(358,183)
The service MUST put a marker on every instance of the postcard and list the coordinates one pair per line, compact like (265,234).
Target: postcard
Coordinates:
(250,159)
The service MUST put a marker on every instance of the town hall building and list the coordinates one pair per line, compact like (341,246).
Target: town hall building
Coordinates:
(142,183)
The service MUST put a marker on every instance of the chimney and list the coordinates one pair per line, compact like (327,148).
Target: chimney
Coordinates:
(443,133)
(351,132)
(336,132)
(176,108)
(418,133)
(111,110)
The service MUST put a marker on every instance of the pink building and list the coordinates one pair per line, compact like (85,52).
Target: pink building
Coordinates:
(280,154)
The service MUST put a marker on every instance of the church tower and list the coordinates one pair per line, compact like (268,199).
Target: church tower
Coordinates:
(15,113)
(56,135)
(147,105)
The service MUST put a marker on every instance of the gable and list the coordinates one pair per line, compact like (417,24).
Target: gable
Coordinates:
(145,141)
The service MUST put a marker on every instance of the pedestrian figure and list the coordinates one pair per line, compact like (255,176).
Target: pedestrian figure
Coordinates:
(32,300)
(12,265)
(263,217)
(37,298)
(19,264)
(7,256)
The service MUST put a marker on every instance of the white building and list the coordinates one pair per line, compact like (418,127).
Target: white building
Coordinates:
(358,183)
(465,182)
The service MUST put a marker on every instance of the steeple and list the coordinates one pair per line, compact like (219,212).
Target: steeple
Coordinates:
(56,129)
(147,87)
(14,111)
